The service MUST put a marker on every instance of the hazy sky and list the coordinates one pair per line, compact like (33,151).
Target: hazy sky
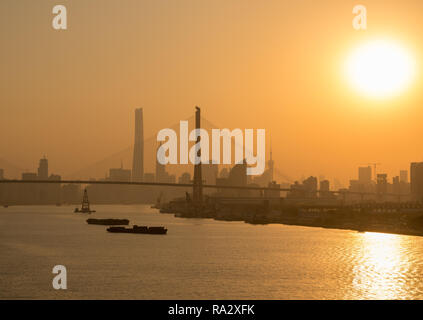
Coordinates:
(249,64)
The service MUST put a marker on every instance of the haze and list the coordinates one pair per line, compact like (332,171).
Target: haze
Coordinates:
(248,64)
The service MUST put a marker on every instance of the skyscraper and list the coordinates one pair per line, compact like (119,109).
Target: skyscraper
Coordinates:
(138,159)
(365,174)
(416,174)
(43,169)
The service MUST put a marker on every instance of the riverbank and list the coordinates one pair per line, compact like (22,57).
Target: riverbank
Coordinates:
(404,219)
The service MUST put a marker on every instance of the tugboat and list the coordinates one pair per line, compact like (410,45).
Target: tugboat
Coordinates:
(85,208)
(138,229)
(109,222)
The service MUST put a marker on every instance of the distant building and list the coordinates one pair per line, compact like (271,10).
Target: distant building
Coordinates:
(310,187)
(396,185)
(365,174)
(1,174)
(29,176)
(416,179)
(324,185)
(382,183)
(404,176)
(307,189)
(43,169)
(237,177)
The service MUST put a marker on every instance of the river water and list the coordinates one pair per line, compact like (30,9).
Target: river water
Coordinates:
(199,259)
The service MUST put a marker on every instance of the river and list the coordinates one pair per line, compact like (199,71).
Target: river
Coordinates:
(199,259)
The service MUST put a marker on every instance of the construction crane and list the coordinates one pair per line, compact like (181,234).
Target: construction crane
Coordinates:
(374,167)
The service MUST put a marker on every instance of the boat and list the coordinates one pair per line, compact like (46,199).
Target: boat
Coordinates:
(108,222)
(85,208)
(138,229)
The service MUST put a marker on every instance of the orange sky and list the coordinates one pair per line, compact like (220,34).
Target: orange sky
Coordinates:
(249,64)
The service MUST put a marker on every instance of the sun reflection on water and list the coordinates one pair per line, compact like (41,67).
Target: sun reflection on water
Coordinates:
(381,266)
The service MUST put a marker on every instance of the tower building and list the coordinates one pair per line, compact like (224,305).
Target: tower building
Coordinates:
(43,169)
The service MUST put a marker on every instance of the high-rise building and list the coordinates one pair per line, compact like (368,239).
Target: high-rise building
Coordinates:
(416,177)
(382,183)
(404,176)
(43,169)
(324,185)
(138,159)
(1,174)
(365,174)
(310,187)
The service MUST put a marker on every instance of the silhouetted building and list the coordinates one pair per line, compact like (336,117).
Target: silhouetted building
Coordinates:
(138,159)
(324,185)
(396,185)
(307,189)
(416,180)
(310,186)
(43,169)
(404,176)
(237,177)
(365,174)
(382,183)
(324,189)
(1,174)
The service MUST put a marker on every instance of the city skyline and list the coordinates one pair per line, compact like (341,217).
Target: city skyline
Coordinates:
(193,59)
(211,149)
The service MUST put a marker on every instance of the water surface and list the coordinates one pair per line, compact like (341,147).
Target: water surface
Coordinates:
(199,259)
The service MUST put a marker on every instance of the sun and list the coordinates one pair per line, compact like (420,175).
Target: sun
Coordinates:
(380,69)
